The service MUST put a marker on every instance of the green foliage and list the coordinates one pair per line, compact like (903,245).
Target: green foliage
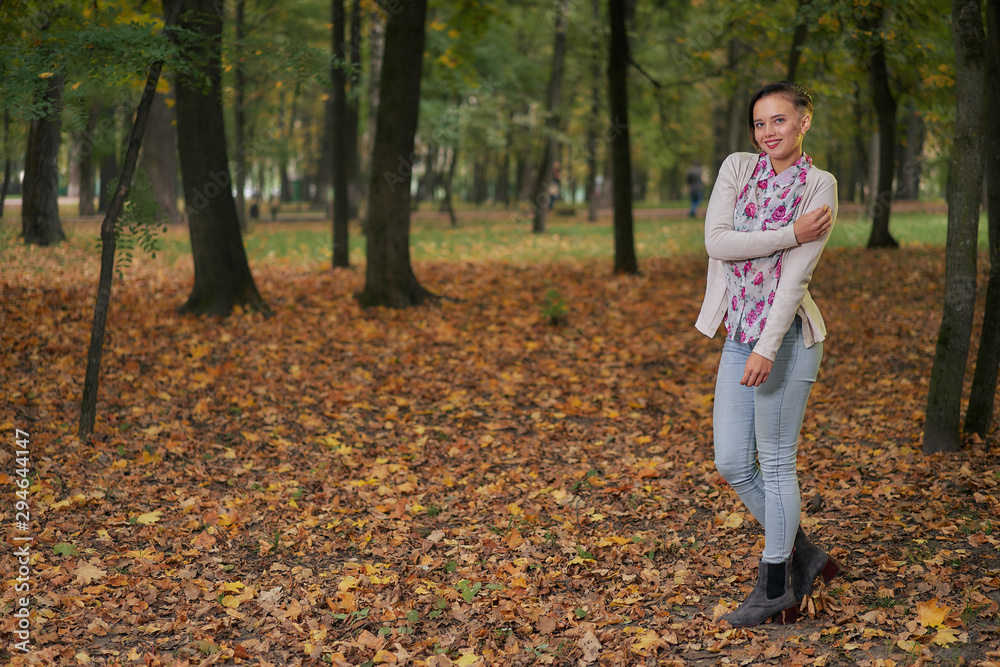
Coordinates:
(138,224)
(554,308)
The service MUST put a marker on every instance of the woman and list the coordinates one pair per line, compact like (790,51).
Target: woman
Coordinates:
(767,222)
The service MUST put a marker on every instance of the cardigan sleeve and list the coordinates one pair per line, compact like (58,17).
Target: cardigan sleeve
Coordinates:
(722,241)
(797,266)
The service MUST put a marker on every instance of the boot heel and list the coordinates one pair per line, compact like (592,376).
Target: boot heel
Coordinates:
(787,616)
(830,570)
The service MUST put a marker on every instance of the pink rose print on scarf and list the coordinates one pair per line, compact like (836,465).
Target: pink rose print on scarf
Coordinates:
(770,299)
(747,267)
(751,210)
(767,201)
(762,323)
(757,169)
(802,175)
(780,213)
(736,271)
(743,336)
(746,189)
(734,304)
(796,202)
(758,279)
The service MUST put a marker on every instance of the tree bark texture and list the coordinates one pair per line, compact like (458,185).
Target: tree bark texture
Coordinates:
(543,179)
(354,114)
(979,416)
(40,224)
(159,158)
(941,428)
(389,278)
(88,404)
(625,259)
(341,156)
(885,111)
(222,277)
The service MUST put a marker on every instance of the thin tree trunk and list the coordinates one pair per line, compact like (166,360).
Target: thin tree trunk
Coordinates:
(376,47)
(353,114)
(40,224)
(447,204)
(341,250)
(885,111)
(625,259)
(595,111)
(7,162)
(222,278)
(389,278)
(911,155)
(239,116)
(543,179)
(88,405)
(85,157)
(941,428)
(979,416)
(798,41)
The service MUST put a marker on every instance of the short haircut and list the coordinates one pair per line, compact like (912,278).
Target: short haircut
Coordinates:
(792,92)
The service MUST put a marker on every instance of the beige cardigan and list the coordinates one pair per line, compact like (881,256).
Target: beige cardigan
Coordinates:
(724,243)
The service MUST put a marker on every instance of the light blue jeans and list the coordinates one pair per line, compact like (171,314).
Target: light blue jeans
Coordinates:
(756,433)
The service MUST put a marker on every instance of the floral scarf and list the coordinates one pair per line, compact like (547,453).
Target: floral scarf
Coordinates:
(768,201)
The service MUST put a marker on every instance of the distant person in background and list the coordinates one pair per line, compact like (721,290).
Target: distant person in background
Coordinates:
(555,186)
(695,188)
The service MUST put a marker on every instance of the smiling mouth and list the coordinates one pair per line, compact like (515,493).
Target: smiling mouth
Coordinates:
(772,144)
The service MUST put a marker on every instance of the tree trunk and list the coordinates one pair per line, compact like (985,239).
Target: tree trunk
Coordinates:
(993,130)
(239,116)
(543,180)
(911,157)
(502,194)
(85,160)
(798,41)
(341,249)
(979,416)
(590,188)
(376,47)
(354,115)
(941,428)
(88,404)
(159,158)
(389,278)
(222,277)
(7,166)
(40,223)
(625,259)
(447,204)
(885,111)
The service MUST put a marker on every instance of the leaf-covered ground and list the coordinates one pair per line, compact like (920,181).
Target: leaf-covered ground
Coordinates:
(467,483)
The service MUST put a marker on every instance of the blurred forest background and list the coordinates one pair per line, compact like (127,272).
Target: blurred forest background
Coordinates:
(484,115)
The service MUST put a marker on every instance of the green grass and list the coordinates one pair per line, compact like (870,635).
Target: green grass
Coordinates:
(497,236)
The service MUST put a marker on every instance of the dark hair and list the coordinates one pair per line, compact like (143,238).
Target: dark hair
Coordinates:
(792,92)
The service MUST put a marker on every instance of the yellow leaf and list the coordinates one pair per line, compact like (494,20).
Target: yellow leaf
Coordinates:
(231,586)
(148,518)
(454,34)
(647,641)
(230,601)
(734,520)
(515,510)
(467,659)
(932,615)
(45,75)
(946,636)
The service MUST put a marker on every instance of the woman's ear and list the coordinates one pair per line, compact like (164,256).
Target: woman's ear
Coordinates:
(806,123)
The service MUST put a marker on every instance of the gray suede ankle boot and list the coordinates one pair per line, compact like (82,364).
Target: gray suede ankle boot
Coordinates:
(772,596)
(808,561)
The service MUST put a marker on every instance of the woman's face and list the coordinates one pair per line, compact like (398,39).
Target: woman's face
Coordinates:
(779,129)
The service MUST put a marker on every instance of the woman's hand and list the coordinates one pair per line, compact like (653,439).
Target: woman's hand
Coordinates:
(756,371)
(812,225)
